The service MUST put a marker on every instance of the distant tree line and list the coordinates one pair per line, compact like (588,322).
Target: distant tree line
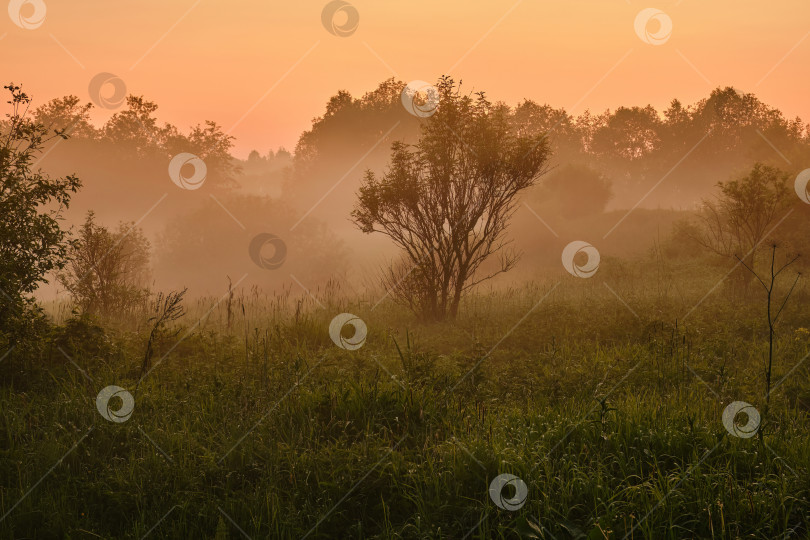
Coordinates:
(619,153)
(622,152)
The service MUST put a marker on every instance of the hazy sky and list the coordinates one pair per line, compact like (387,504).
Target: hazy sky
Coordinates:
(265,69)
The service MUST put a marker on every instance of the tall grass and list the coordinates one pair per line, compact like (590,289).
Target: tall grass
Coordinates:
(604,395)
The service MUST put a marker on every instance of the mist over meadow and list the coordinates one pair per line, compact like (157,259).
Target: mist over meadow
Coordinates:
(479,306)
(662,165)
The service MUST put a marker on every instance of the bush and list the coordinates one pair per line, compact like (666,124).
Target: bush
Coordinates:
(32,243)
(108,270)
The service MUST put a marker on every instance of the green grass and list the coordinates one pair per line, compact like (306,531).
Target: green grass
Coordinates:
(270,428)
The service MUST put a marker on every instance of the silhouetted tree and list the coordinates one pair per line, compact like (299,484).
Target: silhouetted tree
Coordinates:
(66,115)
(565,138)
(350,129)
(209,143)
(32,243)
(135,127)
(447,200)
(136,135)
(108,270)
(629,133)
(744,212)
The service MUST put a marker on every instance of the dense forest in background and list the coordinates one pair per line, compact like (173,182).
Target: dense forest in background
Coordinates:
(665,162)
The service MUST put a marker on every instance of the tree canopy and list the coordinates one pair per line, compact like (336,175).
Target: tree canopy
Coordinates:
(446,201)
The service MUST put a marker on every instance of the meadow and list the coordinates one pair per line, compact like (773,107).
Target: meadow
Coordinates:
(604,396)
(255,284)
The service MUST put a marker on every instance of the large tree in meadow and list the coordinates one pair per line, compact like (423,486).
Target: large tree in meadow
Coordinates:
(447,200)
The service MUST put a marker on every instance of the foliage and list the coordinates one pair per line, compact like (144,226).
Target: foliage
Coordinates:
(108,270)
(605,396)
(629,133)
(81,336)
(67,115)
(32,241)
(446,202)
(603,413)
(135,131)
(688,145)
(744,212)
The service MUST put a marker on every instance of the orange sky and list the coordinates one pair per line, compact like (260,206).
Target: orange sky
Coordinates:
(265,69)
